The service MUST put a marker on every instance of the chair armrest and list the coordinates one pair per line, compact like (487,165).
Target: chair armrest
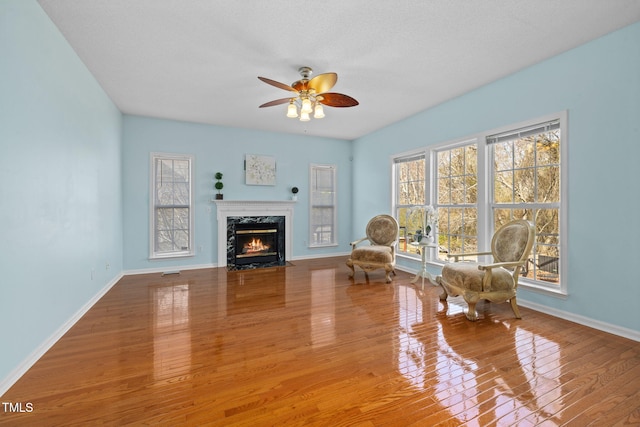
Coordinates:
(485,267)
(456,256)
(354,243)
(488,269)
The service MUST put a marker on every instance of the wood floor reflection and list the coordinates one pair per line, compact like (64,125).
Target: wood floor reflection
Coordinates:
(305,345)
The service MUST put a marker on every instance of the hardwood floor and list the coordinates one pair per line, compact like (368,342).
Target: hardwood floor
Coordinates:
(304,345)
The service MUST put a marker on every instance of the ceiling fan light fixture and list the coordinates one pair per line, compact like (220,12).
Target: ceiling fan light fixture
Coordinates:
(311,95)
(292,110)
(306,105)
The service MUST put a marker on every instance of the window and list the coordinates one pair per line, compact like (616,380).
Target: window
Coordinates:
(457,199)
(171,206)
(410,184)
(481,183)
(322,222)
(526,185)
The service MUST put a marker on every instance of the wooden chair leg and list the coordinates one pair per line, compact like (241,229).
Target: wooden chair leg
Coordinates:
(471,313)
(514,307)
(444,294)
(472,299)
(350,265)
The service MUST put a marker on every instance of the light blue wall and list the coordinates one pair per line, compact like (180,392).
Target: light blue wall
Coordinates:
(223,149)
(60,183)
(70,166)
(599,84)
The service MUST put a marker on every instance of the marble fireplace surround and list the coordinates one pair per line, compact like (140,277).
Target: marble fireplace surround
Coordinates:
(227,208)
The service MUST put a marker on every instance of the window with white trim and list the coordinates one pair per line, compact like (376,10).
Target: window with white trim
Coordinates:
(479,184)
(171,205)
(526,185)
(457,198)
(322,212)
(409,187)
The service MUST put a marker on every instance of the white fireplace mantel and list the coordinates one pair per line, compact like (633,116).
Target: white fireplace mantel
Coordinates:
(227,208)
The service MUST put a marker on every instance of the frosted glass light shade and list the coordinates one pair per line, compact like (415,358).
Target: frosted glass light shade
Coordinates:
(292,110)
(306,106)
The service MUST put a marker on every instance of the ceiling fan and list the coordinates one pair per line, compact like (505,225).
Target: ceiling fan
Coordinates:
(310,95)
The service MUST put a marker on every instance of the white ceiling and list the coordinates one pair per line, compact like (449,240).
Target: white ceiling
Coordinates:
(198,60)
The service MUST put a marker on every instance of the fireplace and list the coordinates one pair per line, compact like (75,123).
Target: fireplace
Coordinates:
(255,242)
(238,214)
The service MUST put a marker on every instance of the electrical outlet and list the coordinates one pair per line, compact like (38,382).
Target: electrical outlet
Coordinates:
(93,272)
(107,266)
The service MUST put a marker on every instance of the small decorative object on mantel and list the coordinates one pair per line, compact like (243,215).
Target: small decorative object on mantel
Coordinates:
(428,221)
(219,185)
(294,190)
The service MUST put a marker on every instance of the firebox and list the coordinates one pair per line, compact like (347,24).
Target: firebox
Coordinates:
(255,242)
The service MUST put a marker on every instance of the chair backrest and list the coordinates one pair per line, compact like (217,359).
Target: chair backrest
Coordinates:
(513,241)
(383,230)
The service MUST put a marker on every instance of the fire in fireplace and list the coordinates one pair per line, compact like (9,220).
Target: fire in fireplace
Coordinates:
(251,243)
(255,242)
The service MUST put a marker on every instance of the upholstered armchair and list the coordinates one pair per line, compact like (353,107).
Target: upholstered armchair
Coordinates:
(496,281)
(382,234)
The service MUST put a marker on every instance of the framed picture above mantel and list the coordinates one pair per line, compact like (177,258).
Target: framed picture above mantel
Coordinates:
(259,169)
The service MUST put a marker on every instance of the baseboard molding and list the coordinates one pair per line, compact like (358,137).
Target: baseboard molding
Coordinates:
(167,269)
(215,265)
(27,363)
(582,320)
(407,269)
(316,256)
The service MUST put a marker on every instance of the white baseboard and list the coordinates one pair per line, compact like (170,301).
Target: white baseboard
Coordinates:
(214,265)
(168,269)
(582,320)
(315,256)
(407,269)
(27,363)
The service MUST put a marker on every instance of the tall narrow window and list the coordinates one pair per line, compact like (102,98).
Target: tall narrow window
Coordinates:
(526,185)
(409,186)
(322,221)
(171,206)
(457,199)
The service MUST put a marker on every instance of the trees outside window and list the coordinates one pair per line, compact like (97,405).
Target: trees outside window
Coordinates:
(457,199)
(526,185)
(481,183)
(409,186)
(171,206)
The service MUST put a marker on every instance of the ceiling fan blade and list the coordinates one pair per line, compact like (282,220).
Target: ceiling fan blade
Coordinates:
(333,99)
(277,84)
(276,102)
(323,82)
